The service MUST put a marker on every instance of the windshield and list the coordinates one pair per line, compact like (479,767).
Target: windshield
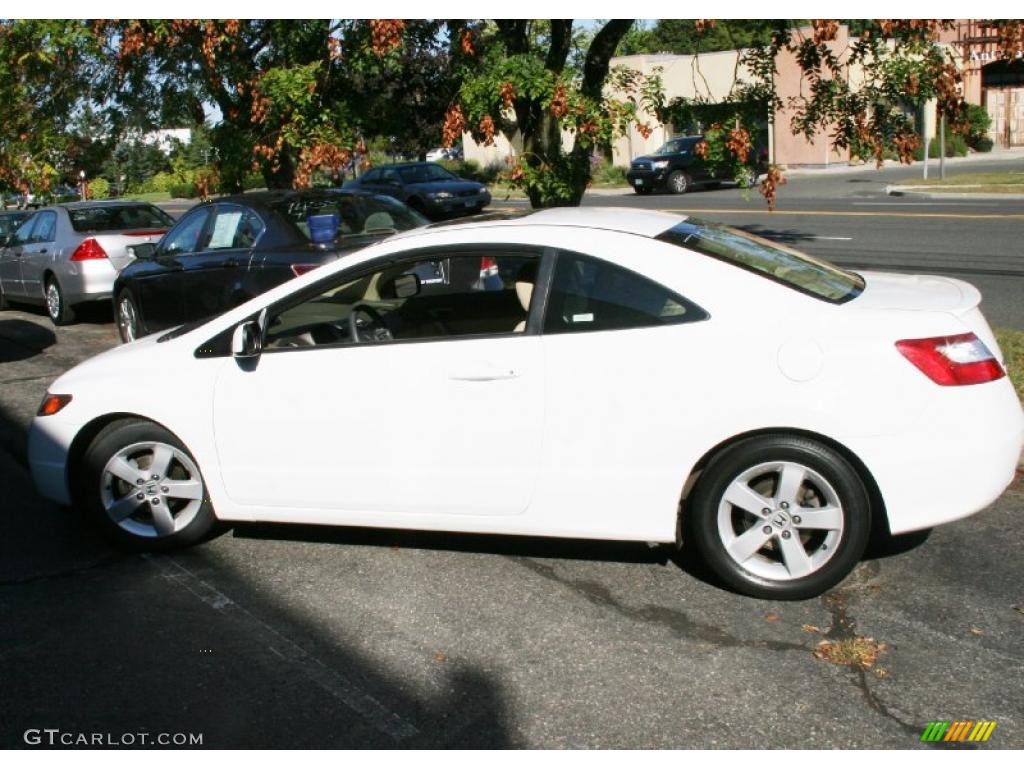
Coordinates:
(418,174)
(804,273)
(357,214)
(674,147)
(118,217)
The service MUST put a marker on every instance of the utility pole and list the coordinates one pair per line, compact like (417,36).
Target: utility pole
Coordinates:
(942,146)
(925,138)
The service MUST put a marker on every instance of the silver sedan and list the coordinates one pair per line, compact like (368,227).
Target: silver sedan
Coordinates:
(69,254)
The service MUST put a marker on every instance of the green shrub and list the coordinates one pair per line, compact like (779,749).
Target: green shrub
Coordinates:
(99,189)
(253,181)
(183,190)
(956,146)
(978,122)
(610,175)
(984,145)
(471,169)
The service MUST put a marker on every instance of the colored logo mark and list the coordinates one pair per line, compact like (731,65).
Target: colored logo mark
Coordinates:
(958,730)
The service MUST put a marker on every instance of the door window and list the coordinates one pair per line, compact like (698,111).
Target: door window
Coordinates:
(371,177)
(588,294)
(234,227)
(24,232)
(461,295)
(184,238)
(46,227)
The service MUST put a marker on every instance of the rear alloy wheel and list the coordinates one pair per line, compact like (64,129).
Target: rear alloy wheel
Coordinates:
(780,517)
(144,488)
(56,307)
(678,182)
(127,318)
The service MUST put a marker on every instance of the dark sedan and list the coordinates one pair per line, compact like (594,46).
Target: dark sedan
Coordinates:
(222,253)
(428,187)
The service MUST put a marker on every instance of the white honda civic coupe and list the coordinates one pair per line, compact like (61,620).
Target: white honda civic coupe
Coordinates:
(593,373)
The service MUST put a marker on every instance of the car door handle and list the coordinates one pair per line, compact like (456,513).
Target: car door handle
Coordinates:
(483,373)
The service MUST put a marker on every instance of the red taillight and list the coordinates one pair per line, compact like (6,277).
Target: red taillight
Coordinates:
(52,404)
(89,249)
(145,232)
(952,360)
(301,269)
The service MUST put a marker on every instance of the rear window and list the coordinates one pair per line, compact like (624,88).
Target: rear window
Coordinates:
(117,217)
(799,271)
(357,214)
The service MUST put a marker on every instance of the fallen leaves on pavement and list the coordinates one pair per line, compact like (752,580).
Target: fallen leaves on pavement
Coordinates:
(861,652)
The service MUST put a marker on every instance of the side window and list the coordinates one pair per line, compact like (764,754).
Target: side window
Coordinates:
(24,232)
(588,294)
(184,238)
(371,176)
(46,227)
(441,297)
(234,227)
(390,177)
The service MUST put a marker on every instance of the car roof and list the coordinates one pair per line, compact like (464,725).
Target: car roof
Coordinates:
(86,204)
(633,221)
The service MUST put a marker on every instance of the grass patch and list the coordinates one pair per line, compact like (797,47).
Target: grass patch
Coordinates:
(149,197)
(1012,344)
(861,652)
(1009,181)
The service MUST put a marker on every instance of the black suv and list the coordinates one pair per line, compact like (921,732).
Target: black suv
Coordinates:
(677,167)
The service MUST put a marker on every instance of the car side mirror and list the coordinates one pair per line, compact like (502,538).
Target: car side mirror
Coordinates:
(247,340)
(141,250)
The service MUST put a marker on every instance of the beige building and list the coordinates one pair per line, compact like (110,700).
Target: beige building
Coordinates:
(710,77)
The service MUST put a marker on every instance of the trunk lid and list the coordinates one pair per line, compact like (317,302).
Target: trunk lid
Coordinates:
(927,293)
(114,243)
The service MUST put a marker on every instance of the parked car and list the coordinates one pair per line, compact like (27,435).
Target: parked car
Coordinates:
(66,255)
(9,222)
(428,187)
(222,253)
(635,376)
(676,167)
(444,153)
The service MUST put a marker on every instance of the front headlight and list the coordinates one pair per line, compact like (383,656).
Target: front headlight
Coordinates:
(660,164)
(442,195)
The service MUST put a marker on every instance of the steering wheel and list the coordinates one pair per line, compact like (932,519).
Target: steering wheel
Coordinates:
(377,330)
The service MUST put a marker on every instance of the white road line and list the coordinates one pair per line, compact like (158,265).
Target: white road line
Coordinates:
(823,237)
(330,680)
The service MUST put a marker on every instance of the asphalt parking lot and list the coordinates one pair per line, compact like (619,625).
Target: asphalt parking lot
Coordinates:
(278,636)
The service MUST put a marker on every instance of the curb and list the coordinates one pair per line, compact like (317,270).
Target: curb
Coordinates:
(904,190)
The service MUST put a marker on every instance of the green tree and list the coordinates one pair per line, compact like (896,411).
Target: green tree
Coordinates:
(47,68)
(519,81)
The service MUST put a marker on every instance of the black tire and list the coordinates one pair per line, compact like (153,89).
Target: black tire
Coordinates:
(95,489)
(129,325)
(3,299)
(766,572)
(60,312)
(678,183)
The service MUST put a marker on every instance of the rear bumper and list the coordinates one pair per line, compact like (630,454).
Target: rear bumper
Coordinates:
(91,280)
(960,458)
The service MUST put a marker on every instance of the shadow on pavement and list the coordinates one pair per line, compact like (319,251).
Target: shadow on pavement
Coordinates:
(21,340)
(96,641)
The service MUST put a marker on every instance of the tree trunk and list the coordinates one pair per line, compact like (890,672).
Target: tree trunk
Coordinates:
(567,173)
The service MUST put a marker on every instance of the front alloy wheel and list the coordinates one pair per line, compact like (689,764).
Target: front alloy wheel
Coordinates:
(780,517)
(144,488)
(678,182)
